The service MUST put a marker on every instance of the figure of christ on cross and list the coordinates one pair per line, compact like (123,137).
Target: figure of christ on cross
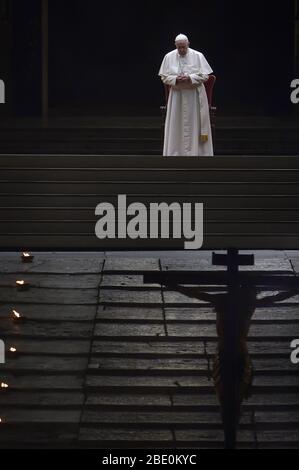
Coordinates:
(246,302)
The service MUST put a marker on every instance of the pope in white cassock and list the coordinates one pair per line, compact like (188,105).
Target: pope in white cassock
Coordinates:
(187,125)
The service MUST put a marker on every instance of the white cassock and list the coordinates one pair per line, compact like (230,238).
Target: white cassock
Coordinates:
(187,126)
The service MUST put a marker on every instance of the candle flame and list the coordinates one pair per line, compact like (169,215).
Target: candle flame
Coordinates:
(26,255)
(20,283)
(4,385)
(13,350)
(16,314)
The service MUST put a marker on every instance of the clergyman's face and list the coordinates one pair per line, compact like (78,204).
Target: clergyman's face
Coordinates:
(182,47)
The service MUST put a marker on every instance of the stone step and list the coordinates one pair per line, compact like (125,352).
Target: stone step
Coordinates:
(228,140)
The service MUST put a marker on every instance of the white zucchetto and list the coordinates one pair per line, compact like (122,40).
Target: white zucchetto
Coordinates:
(181,37)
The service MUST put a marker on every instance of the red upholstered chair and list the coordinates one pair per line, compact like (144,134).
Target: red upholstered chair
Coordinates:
(209,85)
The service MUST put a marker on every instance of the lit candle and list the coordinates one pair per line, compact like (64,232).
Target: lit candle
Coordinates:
(17,317)
(22,285)
(3,385)
(16,314)
(12,352)
(27,257)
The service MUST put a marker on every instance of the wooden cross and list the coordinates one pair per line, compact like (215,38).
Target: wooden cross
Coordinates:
(233,278)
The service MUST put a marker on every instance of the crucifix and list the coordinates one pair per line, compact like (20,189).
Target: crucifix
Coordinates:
(232,367)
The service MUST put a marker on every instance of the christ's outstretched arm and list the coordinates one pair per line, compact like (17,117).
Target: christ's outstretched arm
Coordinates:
(192,292)
(277,297)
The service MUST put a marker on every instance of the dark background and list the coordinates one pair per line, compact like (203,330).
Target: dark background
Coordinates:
(104,57)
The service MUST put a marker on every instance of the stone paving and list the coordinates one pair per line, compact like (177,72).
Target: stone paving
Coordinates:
(105,360)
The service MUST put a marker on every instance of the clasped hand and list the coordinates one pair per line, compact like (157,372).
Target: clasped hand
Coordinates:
(183,79)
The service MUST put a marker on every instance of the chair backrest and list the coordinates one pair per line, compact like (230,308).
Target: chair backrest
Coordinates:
(209,85)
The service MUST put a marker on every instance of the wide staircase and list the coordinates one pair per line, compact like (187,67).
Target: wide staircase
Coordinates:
(123,348)
(142,136)
(49,201)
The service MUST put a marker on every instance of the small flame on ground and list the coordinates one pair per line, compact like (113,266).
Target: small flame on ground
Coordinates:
(16,314)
